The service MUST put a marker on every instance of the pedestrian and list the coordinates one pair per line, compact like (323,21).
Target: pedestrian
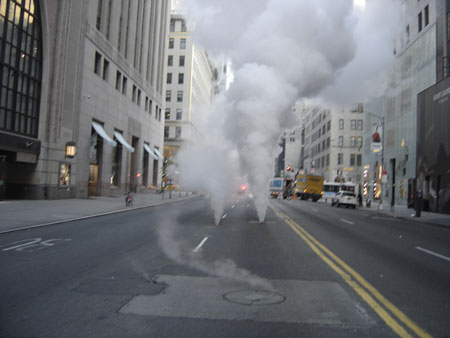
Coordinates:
(360,200)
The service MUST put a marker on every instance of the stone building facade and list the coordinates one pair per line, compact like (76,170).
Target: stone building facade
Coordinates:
(90,80)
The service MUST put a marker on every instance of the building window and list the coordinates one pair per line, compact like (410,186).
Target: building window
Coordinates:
(150,106)
(124,85)
(340,159)
(359,142)
(183,26)
(172,25)
(166,132)
(182,43)
(139,98)
(291,139)
(64,175)
(180,96)
(146,103)
(352,160)
(328,160)
(118,80)
(419,18)
(169,78)
(105,69)
(180,78)
(167,114)
(341,141)
(171,43)
(156,112)
(20,66)
(360,124)
(168,95)
(98,23)
(427,16)
(353,141)
(133,97)
(170,60)
(179,114)
(359,160)
(98,63)
(181,61)
(177,132)
(328,125)
(328,142)
(159,114)
(341,124)
(353,124)
(323,162)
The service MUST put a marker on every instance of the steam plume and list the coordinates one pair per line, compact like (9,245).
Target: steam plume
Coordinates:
(282,50)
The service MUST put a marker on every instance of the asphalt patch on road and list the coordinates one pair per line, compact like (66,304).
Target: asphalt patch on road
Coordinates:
(292,301)
(120,286)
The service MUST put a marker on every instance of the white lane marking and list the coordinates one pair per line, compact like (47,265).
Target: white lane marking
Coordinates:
(345,221)
(198,247)
(21,243)
(232,206)
(224,215)
(34,244)
(433,253)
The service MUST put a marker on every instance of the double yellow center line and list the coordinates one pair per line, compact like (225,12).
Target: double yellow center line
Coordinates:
(388,312)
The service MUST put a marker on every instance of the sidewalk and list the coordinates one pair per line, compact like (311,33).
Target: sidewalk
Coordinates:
(403,212)
(17,214)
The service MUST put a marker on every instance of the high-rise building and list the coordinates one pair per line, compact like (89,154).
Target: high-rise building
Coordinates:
(333,142)
(390,172)
(81,96)
(189,90)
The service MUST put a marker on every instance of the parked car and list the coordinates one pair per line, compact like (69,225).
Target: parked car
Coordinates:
(346,198)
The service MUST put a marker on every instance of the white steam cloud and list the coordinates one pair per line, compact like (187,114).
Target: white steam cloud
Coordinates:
(179,251)
(282,51)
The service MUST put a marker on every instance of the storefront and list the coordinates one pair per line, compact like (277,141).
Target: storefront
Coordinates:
(433,147)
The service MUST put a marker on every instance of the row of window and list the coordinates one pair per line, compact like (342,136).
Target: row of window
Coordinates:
(169,96)
(321,131)
(179,114)
(355,141)
(354,160)
(423,19)
(167,132)
(319,147)
(172,43)
(102,70)
(181,60)
(174,27)
(354,124)
(321,162)
(180,78)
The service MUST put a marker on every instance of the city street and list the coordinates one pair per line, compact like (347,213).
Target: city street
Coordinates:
(310,270)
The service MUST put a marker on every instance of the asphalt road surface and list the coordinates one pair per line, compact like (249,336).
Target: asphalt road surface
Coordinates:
(310,270)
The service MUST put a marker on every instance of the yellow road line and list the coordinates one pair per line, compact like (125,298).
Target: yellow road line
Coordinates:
(347,275)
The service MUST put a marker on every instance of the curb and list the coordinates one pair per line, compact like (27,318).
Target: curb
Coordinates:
(29,227)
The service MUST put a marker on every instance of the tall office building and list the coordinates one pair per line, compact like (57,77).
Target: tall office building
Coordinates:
(190,88)
(391,170)
(81,96)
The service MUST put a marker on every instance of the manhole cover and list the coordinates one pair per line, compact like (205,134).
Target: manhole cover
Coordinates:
(254,297)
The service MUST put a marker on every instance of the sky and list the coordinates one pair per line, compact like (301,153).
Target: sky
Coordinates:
(335,51)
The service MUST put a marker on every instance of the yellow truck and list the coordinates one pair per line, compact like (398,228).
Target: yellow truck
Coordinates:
(309,186)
